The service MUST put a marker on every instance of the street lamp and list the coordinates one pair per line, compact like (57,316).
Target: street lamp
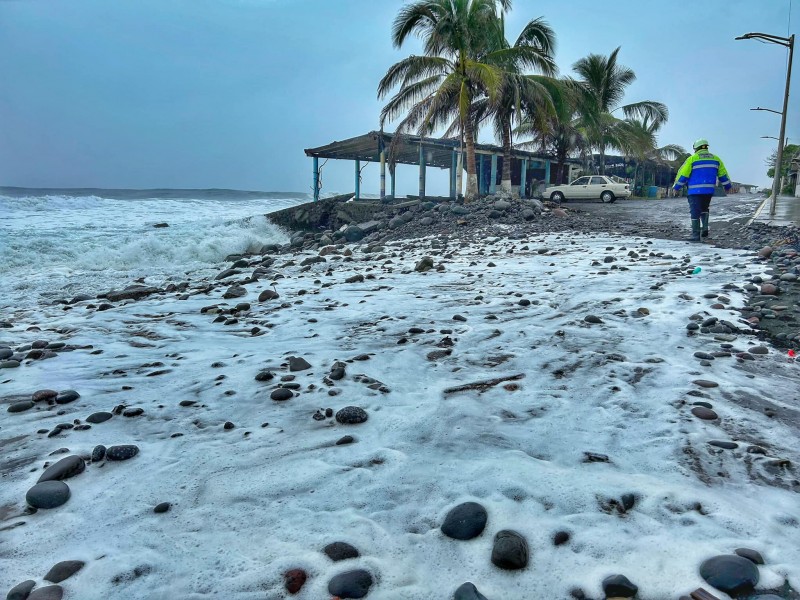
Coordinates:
(788,43)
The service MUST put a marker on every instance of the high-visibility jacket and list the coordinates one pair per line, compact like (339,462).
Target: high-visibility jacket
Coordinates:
(700,172)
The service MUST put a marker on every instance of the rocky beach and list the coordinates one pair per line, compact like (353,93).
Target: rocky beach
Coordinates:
(510,399)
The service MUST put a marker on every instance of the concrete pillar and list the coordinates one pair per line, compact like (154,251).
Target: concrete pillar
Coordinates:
(391,176)
(315,161)
(383,175)
(523,177)
(358,179)
(453,167)
(480,174)
(493,174)
(421,172)
(547,172)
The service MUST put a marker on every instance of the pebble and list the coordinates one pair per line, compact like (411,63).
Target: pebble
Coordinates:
(265,375)
(281,394)
(268,295)
(48,494)
(337,551)
(49,592)
(560,538)
(465,521)
(730,573)
(67,396)
(19,407)
(65,468)
(98,453)
(510,550)
(99,417)
(351,415)
(758,350)
(9,364)
(701,412)
(21,590)
(705,383)
(294,580)
(162,507)
(123,452)
(619,586)
(592,319)
(751,555)
(297,363)
(467,591)
(63,570)
(344,440)
(723,444)
(350,584)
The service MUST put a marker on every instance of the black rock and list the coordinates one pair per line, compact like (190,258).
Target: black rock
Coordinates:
(162,507)
(19,407)
(467,591)
(351,415)
(465,521)
(99,417)
(67,467)
(228,425)
(337,371)
(628,501)
(350,584)
(67,396)
(751,555)
(21,590)
(63,570)
(49,592)
(701,412)
(592,319)
(48,494)
(297,363)
(723,444)
(619,586)
(122,452)
(344,440)
(98,453)
(510,550)
(133,412)
(560,537)
(281,394)
(337,551)
(265,375)
(730,573)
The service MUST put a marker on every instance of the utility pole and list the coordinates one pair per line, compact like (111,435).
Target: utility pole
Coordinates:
(788,43)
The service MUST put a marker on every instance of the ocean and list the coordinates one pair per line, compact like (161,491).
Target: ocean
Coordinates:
(60,243)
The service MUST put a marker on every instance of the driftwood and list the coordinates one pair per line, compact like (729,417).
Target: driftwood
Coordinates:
(482,386)
(701,594)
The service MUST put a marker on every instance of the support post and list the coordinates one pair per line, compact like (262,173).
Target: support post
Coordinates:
(315,161)
(358,179)
(547,172)
(523,177)
(421,172)
(453,167)
(383,176)
(776,183)
(391,176)
(480,174)
(493,175)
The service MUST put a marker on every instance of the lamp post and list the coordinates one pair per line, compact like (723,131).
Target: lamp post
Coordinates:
(788,43)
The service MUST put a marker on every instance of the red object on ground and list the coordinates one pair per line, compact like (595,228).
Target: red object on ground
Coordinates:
(792,353)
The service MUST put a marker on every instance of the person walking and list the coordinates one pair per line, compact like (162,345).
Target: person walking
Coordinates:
(699,174)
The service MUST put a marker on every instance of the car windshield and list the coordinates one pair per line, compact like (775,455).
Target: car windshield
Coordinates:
(580,181)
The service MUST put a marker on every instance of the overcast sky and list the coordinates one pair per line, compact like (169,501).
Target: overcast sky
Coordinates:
(228,93)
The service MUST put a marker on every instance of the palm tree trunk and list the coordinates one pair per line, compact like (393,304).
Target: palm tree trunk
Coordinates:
(505,180)
(602,160)
(472,174)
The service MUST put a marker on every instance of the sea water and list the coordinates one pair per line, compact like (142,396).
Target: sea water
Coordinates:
(57,244)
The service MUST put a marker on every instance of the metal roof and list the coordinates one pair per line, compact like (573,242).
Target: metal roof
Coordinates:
(438,151)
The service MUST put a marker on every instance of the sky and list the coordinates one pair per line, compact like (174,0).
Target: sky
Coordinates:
(228,93)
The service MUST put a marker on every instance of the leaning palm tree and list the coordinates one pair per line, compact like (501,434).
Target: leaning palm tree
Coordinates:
(442,84)
(644,148)
(604,81)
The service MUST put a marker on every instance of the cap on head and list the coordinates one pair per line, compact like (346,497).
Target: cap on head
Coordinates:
(702,142)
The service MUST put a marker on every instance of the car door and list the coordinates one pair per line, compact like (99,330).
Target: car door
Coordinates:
(578,189)
(597,186)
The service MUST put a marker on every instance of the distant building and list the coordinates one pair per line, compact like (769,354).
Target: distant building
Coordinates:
(794,174)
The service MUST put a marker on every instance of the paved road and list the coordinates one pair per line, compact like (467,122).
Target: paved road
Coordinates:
(672,211)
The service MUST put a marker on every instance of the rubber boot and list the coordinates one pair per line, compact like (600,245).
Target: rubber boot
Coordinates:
(695,237)
(704,225)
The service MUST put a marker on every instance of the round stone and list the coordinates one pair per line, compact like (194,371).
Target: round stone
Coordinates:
(67,396)
(467,591)
(510,550)
(67,467)
(705,383)
(619,586)
(751,555)
(281,394)
(21,591)
(44,395)
(63,570)
(98,453)
(560,537)
(99,417)
(730,573)
(701,412)
(351,415)
(48,494)
(723,444)
(49,592)
(337,551)
(122,452)
(350,584)
(19,407)
(297,363)
(294,579)
(162,507)
(465,521)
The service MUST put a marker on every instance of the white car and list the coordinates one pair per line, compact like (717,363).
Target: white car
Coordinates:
(607,189)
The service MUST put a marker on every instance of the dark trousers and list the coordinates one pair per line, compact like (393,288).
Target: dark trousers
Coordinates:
(699,203)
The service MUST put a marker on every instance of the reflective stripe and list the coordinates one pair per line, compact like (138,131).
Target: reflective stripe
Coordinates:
(706,166)
(702,185)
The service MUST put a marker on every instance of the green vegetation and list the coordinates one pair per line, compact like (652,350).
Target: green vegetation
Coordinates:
(789,152)
(470,75)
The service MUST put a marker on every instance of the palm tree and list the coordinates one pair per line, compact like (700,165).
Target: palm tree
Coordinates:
(442,84)
(604,82)
(643,145)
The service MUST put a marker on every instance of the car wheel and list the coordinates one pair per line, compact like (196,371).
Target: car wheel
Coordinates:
(607,197)
(557,197)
